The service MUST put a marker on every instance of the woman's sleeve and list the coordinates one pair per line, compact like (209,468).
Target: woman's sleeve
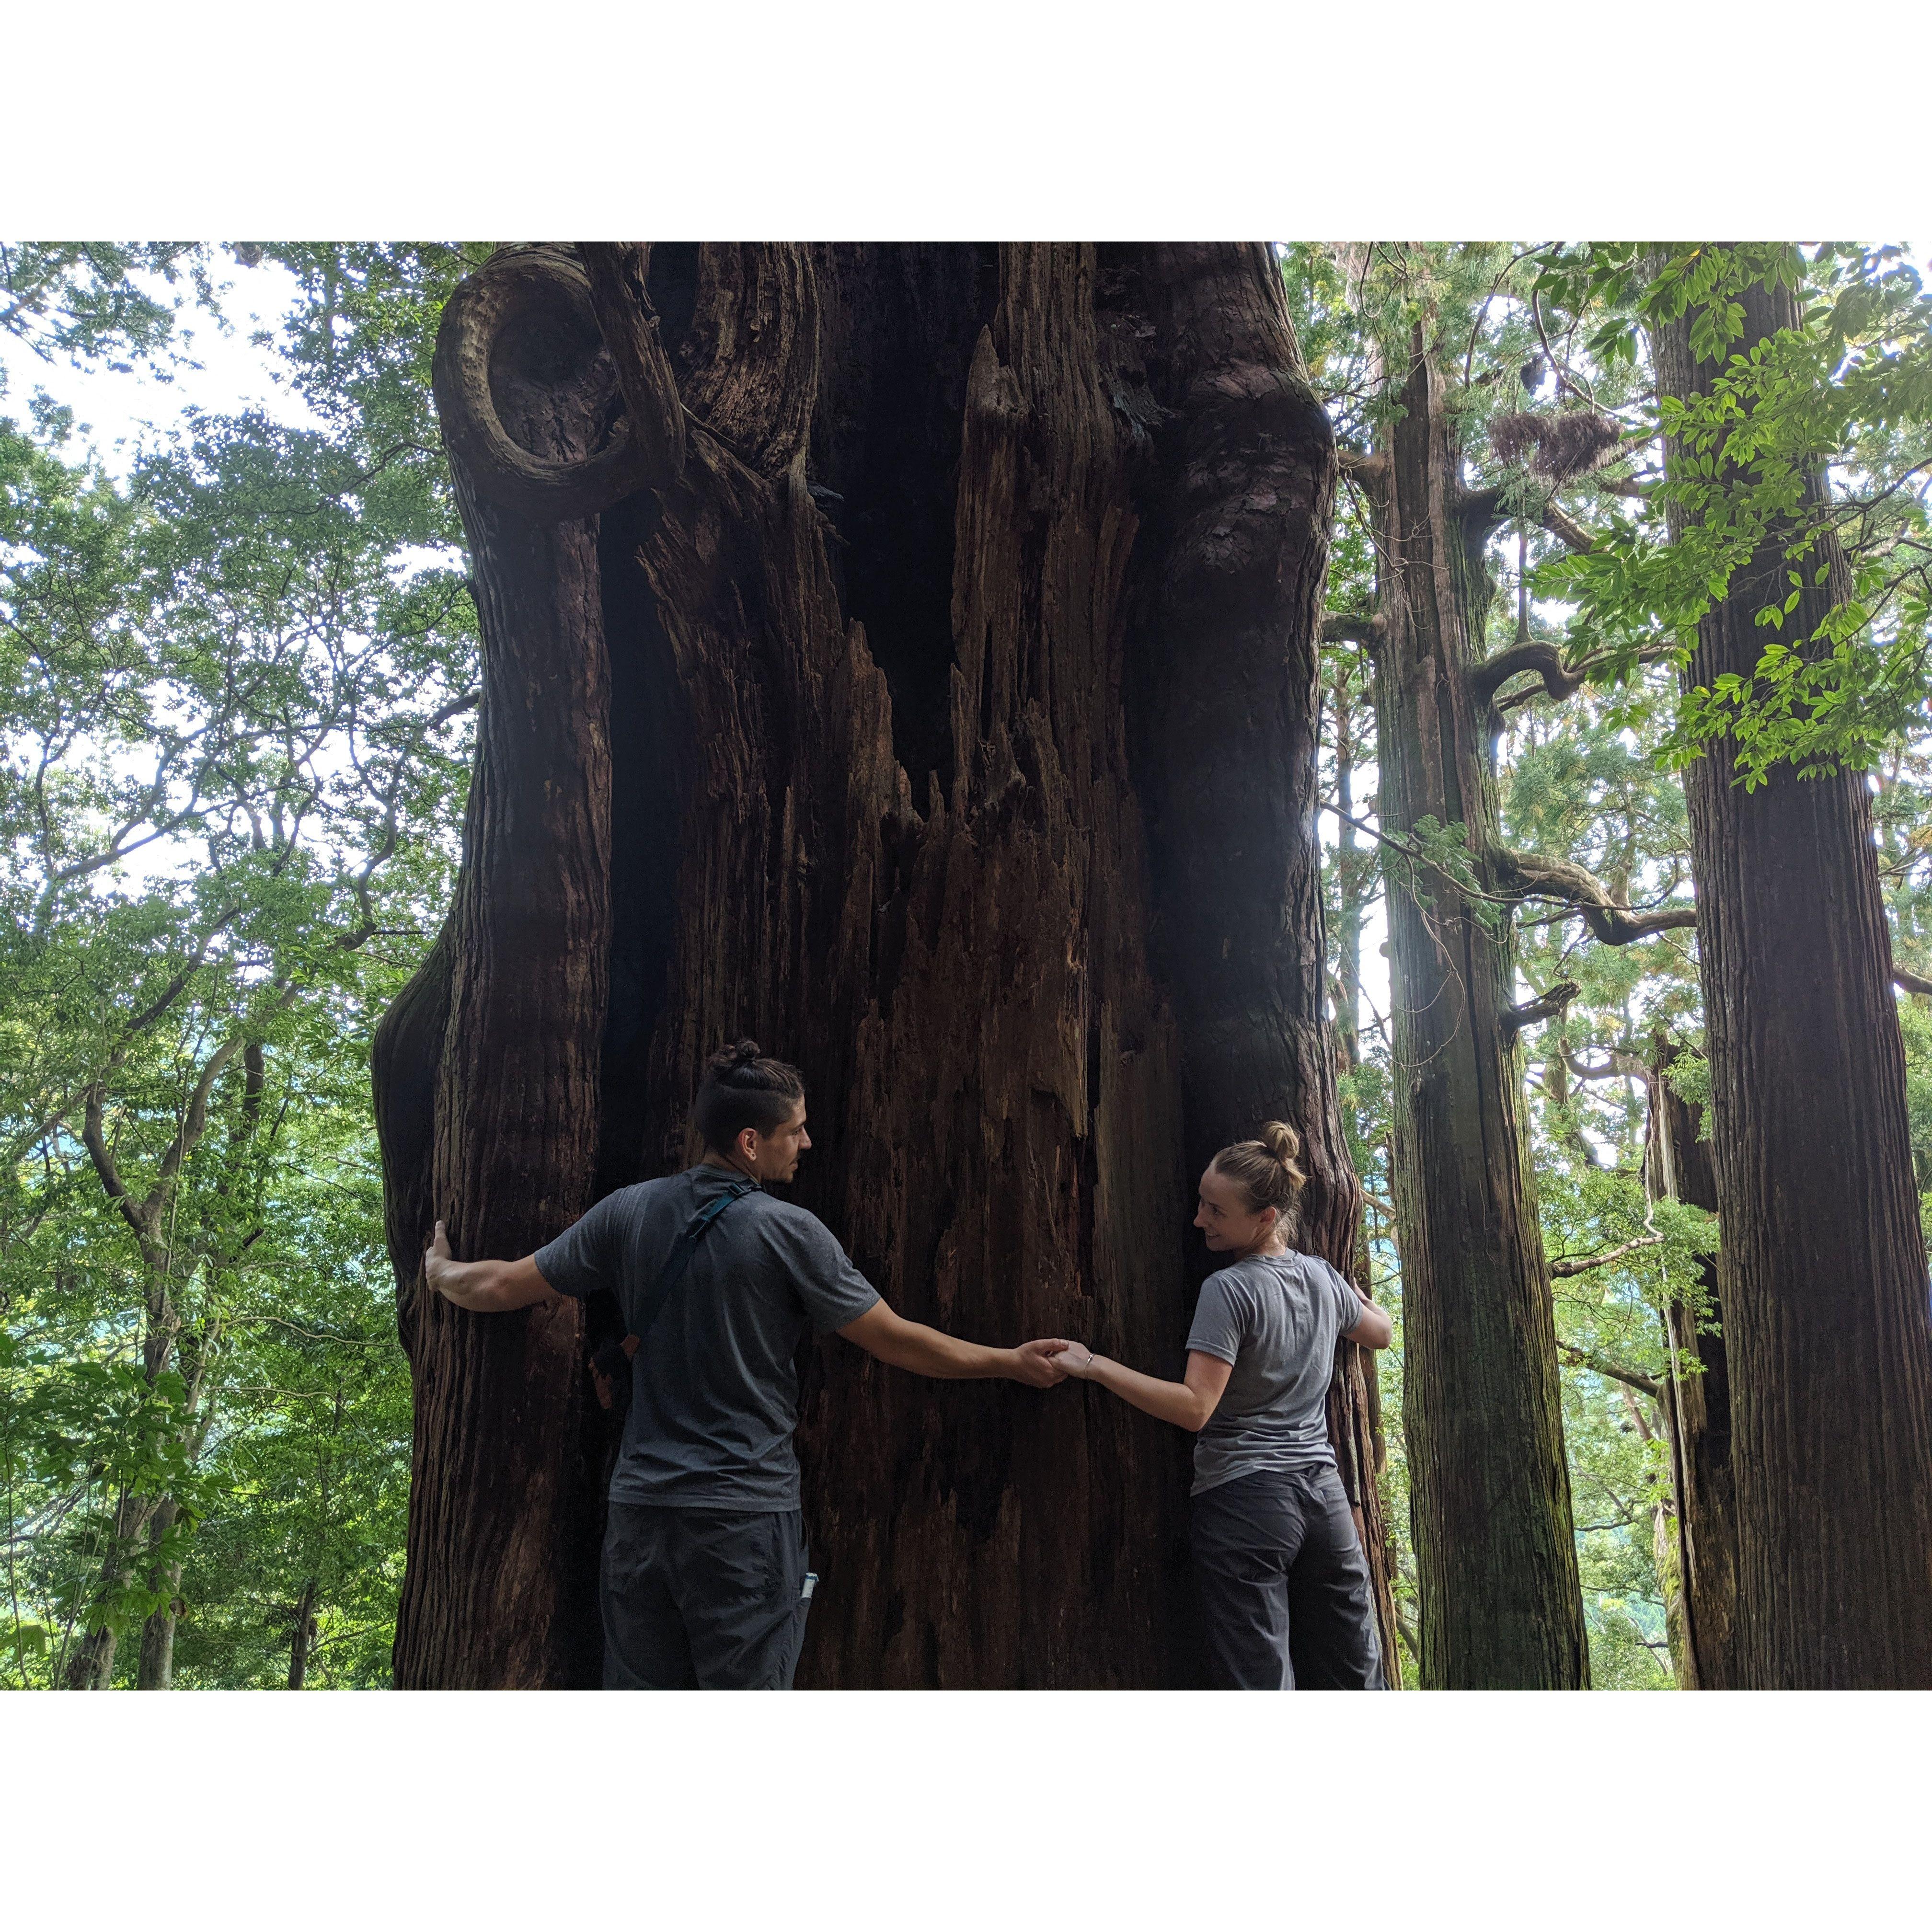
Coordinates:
(1349,1306)
(1221,1322)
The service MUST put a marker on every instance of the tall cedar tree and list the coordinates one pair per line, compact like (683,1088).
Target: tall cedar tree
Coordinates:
(1491,1517)
(907,655)
(1822,1273)
(1495,1557)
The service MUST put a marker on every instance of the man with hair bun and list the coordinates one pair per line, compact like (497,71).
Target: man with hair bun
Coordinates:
(1274,1541)
(704,1583)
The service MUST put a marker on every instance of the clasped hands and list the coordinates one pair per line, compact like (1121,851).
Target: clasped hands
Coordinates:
(1044,1364)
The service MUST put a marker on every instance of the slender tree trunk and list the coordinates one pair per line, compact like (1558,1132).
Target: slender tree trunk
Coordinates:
(892,721)
(1354,873)
(1666,1553)
(156,1671)
(91,1666)
(1495,1555)
(1351,880)
(303,1635)
(1822,1275)
(1665,1543)
(1697,1404)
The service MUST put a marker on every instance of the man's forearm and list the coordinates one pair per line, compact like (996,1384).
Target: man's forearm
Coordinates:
(929,1351)
(474,1285)
(490,1288)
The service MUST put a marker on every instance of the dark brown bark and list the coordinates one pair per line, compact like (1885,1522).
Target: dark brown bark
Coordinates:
(1822,1275)
(498,1591)
(1234,584)
(851,738)
(1696,1403)
(1490,1488)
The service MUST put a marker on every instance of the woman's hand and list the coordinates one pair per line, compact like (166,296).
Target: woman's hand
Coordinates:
(1075,1360)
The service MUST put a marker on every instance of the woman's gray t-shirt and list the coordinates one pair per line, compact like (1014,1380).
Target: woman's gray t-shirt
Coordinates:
(1276,1318)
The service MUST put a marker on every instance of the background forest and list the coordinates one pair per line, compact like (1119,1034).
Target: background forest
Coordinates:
(238,671)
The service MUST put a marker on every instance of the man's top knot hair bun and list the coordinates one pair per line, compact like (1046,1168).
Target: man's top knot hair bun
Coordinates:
(733,1062)
(741,1088)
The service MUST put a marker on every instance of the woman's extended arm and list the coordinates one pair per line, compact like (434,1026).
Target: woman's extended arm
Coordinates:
(1186,1404)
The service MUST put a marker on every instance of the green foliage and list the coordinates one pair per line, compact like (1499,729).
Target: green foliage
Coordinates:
(235,692)
(1742,512)
(98,300)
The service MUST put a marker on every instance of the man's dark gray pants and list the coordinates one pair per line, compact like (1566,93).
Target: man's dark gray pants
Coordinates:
(1276,1554)
(702,1599)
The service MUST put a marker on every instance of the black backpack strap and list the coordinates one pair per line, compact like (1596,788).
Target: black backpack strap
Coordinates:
(614,1356)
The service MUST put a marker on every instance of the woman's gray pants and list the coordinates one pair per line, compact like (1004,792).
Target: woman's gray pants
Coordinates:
(1278,1563)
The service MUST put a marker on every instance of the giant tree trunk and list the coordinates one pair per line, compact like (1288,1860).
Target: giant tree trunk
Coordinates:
(1822,1274)
(941,713)
(1501,1600)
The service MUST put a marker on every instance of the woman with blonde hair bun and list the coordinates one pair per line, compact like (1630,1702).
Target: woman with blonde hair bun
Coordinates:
(1274,1542)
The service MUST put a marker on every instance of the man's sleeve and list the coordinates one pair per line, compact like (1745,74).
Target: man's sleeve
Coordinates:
(584,1258)
(1221,1320)
(1349,1306)
(833,1291)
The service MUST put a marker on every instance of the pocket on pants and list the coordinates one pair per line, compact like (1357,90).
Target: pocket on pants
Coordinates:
(785,1554)
(790,1600)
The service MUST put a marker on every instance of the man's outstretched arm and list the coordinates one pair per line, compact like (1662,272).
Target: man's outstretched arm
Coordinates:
(927,1352)
(490,1288)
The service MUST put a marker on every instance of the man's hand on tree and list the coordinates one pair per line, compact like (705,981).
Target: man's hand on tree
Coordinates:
(485,1287)
(437,1260)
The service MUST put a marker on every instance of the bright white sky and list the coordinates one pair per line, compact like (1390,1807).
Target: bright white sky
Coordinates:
(234,373)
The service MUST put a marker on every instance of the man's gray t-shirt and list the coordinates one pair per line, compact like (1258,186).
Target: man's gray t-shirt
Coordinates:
(1276,1318)
(714,1389)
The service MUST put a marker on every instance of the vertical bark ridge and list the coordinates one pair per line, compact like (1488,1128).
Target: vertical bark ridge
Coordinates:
(495,1594)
